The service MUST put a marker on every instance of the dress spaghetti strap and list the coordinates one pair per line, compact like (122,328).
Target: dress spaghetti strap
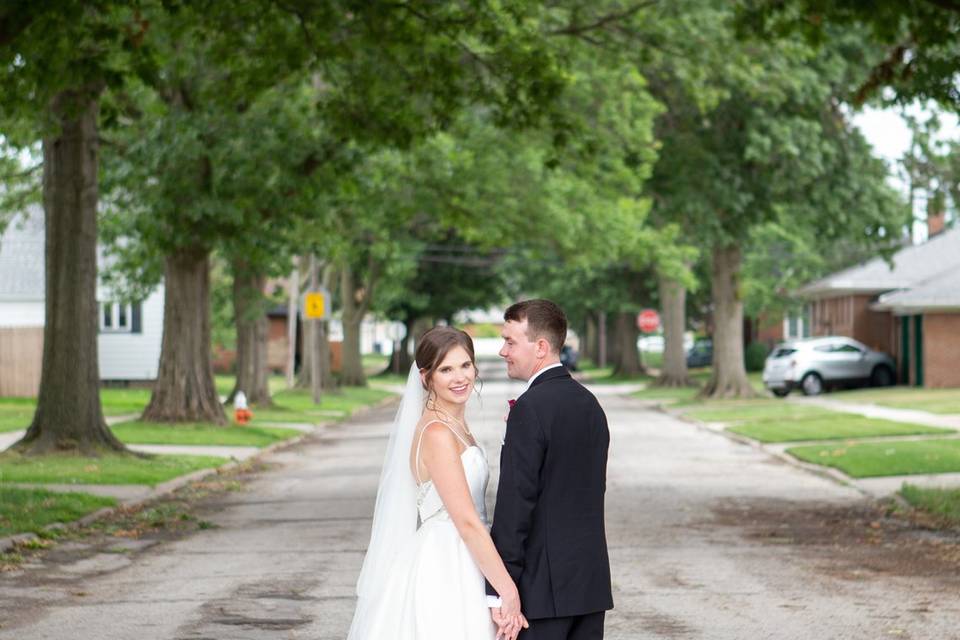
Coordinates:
(416,462)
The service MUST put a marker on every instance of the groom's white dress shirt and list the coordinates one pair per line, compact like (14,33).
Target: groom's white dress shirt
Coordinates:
(494,602)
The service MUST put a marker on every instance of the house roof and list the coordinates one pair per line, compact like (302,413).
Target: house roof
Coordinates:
(942,292)
(910,266)
(22,257)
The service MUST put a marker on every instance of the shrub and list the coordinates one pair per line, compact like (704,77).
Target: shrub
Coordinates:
(755,355)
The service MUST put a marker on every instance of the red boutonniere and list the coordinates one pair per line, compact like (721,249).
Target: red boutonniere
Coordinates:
(510,402)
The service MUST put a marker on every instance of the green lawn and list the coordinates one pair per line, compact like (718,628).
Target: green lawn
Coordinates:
(942,401)
(758,410)
(944,503)
(137,432)
(291,406)
(296,405)
(15,415)
(838,426)
(687,396)
(121,402)
(29,510)
(394,378)
(108,469)
(873,459)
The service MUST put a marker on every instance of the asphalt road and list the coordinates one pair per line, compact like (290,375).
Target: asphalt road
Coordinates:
(705,537)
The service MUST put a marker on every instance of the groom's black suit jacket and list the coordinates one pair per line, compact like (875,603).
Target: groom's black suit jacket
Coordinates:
(548,521)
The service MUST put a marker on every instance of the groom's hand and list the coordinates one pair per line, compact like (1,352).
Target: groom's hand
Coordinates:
(508,627)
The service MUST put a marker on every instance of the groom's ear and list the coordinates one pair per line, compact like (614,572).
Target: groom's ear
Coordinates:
(543,348)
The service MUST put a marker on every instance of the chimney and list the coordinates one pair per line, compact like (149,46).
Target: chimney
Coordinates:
(935,223)
(936,213)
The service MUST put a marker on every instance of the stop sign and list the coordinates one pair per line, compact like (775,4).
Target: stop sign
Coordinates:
(648,321)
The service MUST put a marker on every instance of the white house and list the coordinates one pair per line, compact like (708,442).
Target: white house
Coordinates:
(128,346)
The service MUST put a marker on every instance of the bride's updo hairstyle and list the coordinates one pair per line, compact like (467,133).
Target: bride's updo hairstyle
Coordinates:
(434,346)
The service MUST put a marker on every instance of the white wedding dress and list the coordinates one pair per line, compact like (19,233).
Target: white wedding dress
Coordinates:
(435,590)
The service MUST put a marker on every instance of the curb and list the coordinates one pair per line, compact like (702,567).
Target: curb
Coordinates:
(166,488)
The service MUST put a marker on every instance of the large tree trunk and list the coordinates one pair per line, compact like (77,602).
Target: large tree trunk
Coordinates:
(673,300)
(316,335)
(729,378)
(69,416)
(249,311)
(603,340)
(588,346)
(625,355)
(293,308)
(351,372)
(185,391)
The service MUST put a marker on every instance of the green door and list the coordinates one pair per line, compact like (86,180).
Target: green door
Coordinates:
(918,349)
(904,349)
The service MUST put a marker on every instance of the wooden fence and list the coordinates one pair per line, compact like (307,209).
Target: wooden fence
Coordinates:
(21,356)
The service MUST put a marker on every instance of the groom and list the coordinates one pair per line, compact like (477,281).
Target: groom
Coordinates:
(548,521)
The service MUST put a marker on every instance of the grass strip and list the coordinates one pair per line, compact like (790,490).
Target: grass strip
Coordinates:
(16,413)
(877,459)
(752,411)
(940,401)
(297,406)
(107,469)
(13,418)
(835,427)
(122,402)
(200,433)
(29,510)
(943,503)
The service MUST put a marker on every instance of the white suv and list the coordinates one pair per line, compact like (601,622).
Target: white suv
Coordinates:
(813,364)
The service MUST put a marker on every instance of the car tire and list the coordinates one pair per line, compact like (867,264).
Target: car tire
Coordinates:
(881,377)
(811,384)
(780,393)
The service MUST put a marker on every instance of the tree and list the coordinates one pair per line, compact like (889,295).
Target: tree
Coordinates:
(56,63)
(771,145)
(913,43)
(450,276)
(396,73)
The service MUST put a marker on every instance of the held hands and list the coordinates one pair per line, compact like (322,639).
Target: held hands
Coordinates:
(508,618)
(508,628)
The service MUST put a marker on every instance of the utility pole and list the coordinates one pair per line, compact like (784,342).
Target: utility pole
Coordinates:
(602,339)
(293,307)
(316,385)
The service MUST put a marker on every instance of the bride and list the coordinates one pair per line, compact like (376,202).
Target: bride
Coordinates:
(429,552)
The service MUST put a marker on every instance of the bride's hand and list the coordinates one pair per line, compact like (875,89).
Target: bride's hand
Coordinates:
(510,604)
(511,618)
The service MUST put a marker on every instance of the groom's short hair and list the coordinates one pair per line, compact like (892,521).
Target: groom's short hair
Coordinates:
(544,320)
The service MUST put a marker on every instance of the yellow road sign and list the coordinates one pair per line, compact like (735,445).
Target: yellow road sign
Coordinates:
(315,306)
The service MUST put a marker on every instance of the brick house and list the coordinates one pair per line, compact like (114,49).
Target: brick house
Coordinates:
(909,308)
(928,320)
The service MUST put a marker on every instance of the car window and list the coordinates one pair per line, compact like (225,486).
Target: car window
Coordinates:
(783,352)
(846,348)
